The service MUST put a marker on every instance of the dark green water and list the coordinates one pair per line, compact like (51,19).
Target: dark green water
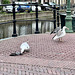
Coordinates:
(25,28)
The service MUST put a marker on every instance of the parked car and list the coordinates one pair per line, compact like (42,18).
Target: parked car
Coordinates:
(9,8)
(73,5)
(63,6)
(52,4)
(33,8)
(22,8)
(45,7)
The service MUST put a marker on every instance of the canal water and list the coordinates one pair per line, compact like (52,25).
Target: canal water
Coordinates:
(25,28)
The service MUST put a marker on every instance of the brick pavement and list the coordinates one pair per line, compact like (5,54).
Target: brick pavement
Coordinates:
(25,69)
(46,57)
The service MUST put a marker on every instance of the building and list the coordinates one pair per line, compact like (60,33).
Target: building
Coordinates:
(43,1)
(0,1)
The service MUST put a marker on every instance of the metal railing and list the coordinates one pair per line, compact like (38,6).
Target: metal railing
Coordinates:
(37,19)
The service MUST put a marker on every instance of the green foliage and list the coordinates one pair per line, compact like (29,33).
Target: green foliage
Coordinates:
(0,7)
(5,2)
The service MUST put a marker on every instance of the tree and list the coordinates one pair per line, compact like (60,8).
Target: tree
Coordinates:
(5,2)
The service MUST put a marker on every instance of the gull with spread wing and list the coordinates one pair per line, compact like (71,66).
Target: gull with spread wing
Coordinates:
(59,33)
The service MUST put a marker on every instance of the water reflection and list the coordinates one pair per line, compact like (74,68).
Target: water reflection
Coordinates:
(24,28)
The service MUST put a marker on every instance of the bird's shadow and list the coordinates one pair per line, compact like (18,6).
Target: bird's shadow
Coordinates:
(18,53)
(57,41)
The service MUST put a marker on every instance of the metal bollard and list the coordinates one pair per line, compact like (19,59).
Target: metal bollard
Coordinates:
(14,21)
(37,30)
(57,16)
(54,15)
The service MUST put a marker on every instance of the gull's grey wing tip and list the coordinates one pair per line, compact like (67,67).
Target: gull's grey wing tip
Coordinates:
(51,32)
(55,30)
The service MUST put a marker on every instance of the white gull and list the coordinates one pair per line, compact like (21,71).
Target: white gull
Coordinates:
(59,33)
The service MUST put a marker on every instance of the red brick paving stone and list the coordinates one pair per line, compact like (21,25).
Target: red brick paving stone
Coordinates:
(1,68)
(67,72)
(45,69)
(73,71)
(23,72)
(16,72)
(35,74)
(49,70)
(31,73)
(41,69)
(36,69)
(13,71)
(58,71)
(62,71)
(53,71)
(5,69)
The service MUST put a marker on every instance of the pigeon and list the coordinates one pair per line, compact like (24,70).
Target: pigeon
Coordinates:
(24,48)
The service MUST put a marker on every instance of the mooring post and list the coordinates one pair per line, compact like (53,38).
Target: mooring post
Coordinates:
(37,30)
(54,15)
(58,16)
(14,21)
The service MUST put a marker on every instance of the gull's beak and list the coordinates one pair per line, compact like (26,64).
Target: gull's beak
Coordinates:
(67,28)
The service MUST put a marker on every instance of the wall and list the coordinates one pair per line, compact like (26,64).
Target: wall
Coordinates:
(25,16)
(56,1)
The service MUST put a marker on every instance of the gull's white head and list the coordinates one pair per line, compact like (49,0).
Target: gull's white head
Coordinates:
(65,28)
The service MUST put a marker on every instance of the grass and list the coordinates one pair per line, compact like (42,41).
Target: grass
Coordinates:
(20,12)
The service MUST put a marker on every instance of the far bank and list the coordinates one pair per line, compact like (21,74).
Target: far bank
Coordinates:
(9,17)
